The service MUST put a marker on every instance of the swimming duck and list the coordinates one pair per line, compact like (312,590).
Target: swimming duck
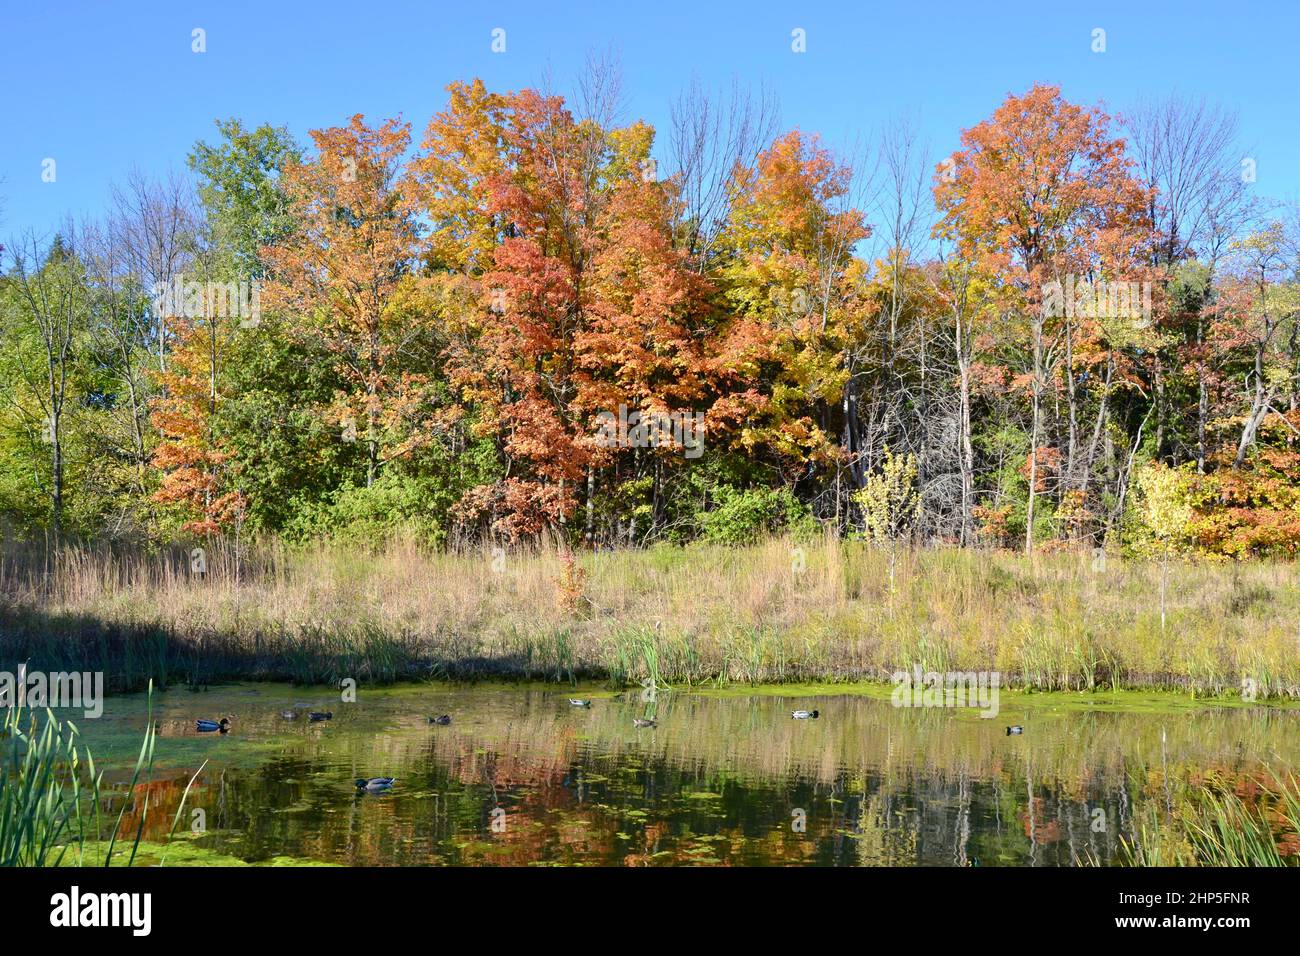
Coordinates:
(643,722)
(579,703)
(204,726)
(374,784)
(318,715)
(444,720)
(1015,730)
(804,714)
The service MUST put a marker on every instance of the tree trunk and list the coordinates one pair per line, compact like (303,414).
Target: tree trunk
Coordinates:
(1099,426)
(1033,433)
(591,504)
(966,454)
(1160,405)
(1202,397)
(1072,446)
(56,485)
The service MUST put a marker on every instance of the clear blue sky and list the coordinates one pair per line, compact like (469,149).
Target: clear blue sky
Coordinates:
(105,86)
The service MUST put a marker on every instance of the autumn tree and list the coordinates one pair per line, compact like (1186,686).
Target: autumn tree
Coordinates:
(344,272)
(560,286)
(789,284)
(191,456)
(644,346)
(1040,191)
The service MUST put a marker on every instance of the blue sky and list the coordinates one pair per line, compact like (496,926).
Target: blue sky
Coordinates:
(101,87)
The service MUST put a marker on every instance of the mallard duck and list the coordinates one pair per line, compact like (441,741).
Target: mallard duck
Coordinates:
(444,720)
(579,703)
(1015,730)
(375,783)
(289,714)
(643,722)
(318,715)
(204,726)
(804,714)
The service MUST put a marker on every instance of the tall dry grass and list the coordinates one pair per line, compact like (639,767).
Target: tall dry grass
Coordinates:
(774,611)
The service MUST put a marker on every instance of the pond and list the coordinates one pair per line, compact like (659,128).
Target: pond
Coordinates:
(522,777)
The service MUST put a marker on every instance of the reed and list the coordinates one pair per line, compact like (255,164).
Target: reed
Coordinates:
(52,798)
(1214,826)
(1230,832)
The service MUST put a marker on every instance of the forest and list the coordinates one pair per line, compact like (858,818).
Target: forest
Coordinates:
(532,319)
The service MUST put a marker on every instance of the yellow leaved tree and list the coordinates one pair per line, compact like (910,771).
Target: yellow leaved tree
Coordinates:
(890,504)
(1165,513)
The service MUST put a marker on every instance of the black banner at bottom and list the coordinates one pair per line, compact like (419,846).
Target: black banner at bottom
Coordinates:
(216,906)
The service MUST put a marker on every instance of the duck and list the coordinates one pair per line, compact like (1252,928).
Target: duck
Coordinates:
(205,726)
(318,715)
(289,714)
(805,714)
(576,702)
(443,720)
(374,784)
(643,722)
(1015,730)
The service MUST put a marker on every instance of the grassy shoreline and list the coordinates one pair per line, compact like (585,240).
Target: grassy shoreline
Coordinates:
(778,612)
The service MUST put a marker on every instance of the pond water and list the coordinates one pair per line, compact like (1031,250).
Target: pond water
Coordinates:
(521,777)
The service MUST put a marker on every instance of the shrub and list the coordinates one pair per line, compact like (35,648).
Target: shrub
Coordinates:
(394,504)
(741,517)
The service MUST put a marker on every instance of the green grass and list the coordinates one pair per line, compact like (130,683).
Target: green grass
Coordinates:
(184,852)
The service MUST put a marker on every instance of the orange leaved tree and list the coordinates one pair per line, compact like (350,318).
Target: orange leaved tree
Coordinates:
(1043,196)
(344,278)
